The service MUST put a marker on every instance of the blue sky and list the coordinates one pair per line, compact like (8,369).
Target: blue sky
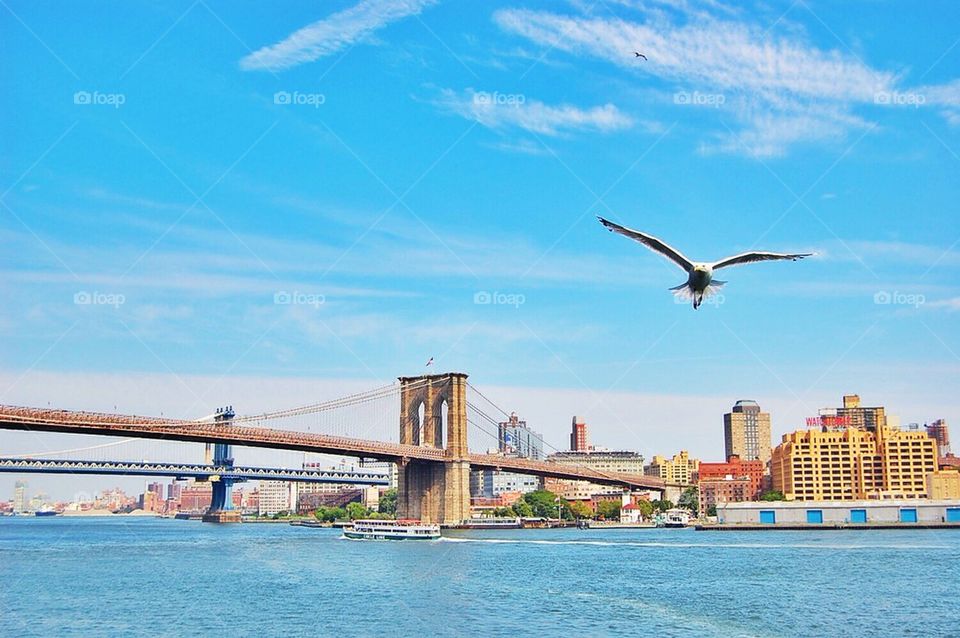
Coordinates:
(187,168)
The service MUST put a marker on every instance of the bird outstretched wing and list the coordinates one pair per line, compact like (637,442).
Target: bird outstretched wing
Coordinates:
(650,242)
(749,258)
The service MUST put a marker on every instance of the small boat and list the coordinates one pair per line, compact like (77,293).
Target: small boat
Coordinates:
(677,517)
(490,523)
(387,530)
(45,512)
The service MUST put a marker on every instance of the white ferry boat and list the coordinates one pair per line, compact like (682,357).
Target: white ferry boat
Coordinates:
(677,517)
(386,530)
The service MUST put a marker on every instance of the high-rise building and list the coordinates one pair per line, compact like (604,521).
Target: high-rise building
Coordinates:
(606,461)
(853,463)
(493,483)
(514,437)
(276,497)
(939,432)
(854,415)
(578,435)
(19,497)
(746,432)
(602,461)
(148,502)
(157,490)
(680,469)
(173,491)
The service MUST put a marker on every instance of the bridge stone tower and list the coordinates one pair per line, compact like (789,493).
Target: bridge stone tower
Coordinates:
(435,491)
(221,503)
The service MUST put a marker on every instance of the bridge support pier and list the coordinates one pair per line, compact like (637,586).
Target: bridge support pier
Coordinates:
(221,504)
(435,491)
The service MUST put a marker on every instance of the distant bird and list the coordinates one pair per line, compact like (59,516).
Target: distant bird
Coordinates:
(700,282)
(639,55)
(429,362)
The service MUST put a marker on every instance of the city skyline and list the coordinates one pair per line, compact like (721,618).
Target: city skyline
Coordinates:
(556,438)
(442,207)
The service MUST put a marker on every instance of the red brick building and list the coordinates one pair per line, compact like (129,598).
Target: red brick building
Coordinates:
(196,497)
(728,489)
(736,468)
(735,481)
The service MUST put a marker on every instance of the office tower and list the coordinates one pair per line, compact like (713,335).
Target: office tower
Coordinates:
(746,432)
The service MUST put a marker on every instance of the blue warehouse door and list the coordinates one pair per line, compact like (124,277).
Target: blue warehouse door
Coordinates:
(953,515)
(908,515)
(858,516)
(815,517)
(768,517)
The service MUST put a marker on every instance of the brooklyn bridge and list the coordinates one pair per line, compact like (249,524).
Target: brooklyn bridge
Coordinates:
(429,444)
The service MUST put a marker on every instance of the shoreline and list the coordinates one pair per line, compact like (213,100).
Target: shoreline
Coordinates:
(800,527)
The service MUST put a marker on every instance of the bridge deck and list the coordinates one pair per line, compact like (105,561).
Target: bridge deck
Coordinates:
(188,470)
(95,423)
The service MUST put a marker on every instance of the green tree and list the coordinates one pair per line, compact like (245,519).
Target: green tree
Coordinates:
(543,503)
(330,514)
(579,509)
(523,509)
(772,495)
(609,510)
(388,503)
(646,508)
(690,499)
(712,510)
(662,506)
(356,510)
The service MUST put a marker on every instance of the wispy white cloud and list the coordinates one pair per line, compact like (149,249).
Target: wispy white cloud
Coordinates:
(501,111)
(781,89)
(333,33)
(945,96)
(950,305)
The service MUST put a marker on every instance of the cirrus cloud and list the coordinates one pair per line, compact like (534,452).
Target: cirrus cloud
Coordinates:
(333,33)
(516,111)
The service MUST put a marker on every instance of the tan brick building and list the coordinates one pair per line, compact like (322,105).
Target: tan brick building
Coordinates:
(680,469)
(746,432)
(853,463)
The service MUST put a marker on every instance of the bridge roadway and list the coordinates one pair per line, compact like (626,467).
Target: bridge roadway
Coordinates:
(96,423)
(189,470)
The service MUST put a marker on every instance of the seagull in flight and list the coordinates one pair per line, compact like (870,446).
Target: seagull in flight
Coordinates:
(639,55)
(700,282)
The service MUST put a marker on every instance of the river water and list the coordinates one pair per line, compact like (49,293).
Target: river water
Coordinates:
(150,577)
